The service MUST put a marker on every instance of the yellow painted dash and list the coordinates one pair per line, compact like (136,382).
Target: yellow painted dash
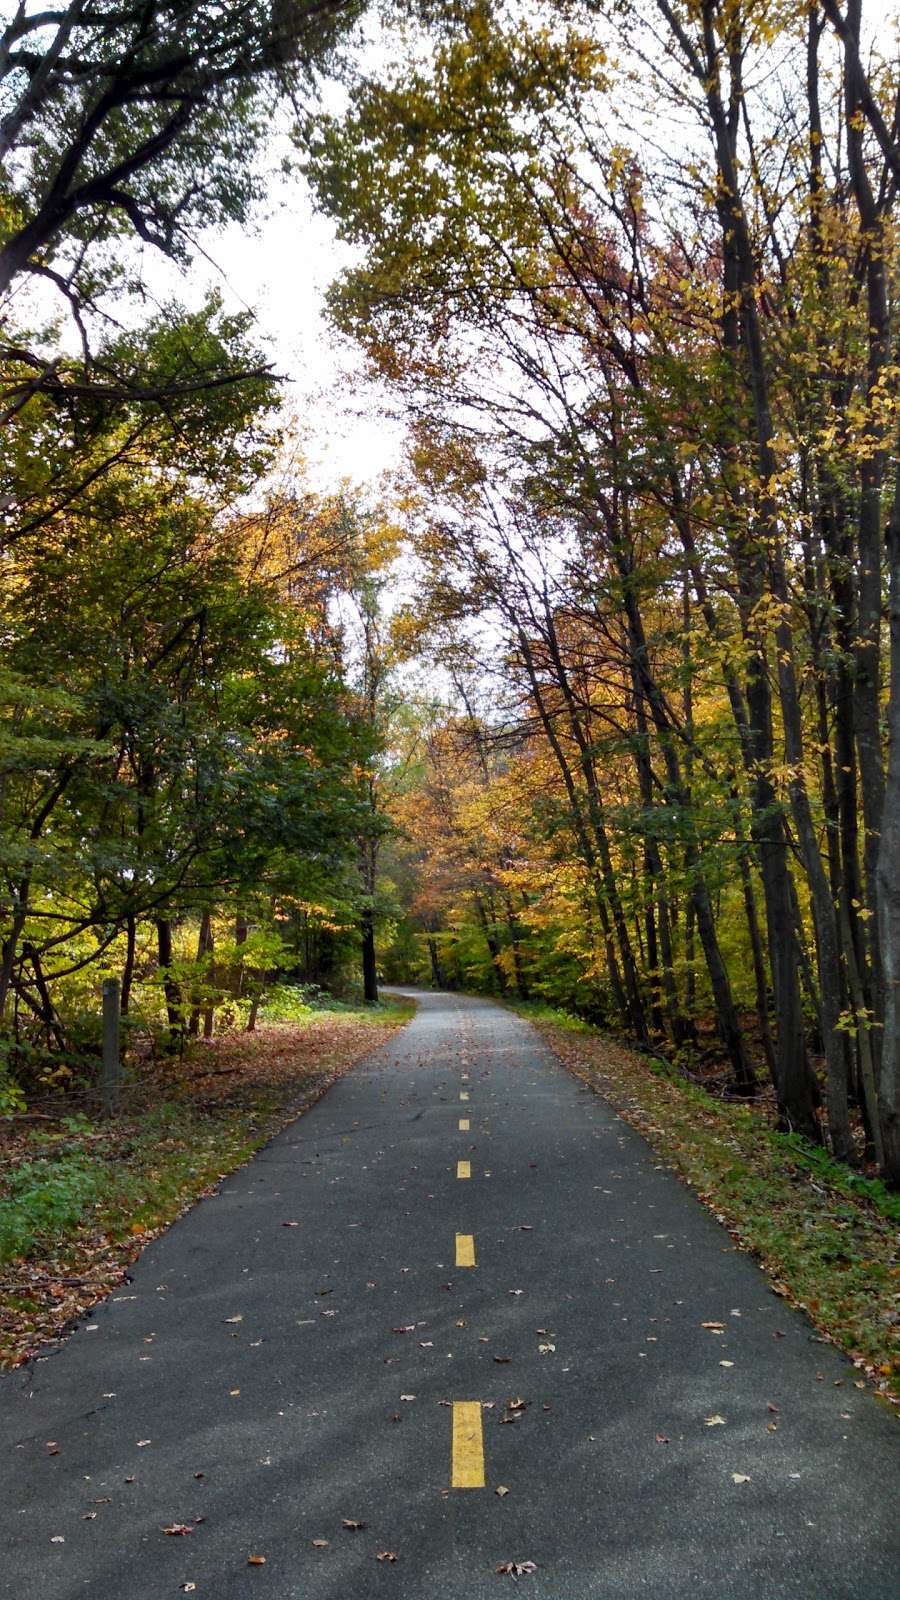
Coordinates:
(468,1446)
(463,1124)
(464,1169)
(465,1250)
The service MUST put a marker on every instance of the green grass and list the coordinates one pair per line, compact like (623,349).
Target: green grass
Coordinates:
(828,1236)
(135,1177)
(44,1198)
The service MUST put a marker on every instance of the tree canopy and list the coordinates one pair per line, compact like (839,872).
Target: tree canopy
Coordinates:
(628,272)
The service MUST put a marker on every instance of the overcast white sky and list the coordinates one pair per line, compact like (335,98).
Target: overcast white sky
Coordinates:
(281,272)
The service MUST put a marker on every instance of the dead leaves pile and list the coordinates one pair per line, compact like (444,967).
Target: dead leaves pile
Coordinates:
(293,1063)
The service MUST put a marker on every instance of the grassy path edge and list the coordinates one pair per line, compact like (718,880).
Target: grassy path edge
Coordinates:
(828,1239)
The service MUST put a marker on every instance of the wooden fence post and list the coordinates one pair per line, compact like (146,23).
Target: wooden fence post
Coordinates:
(110,1079)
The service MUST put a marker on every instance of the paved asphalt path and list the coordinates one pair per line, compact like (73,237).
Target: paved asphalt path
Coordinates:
(251,1381)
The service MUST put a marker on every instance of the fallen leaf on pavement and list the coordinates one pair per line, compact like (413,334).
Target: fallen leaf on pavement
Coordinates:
(715,1327)
(516,1569)
(234,1319)
(385,1555)
(502,1360)
(715,1421)
(501,1490)
(256,1561)
(662,1439)
(407,1397)
(178,1527)
(290,1224)
(352,1524)
(320,1544)
(740,1477)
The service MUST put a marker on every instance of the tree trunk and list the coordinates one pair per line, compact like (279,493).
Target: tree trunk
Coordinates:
(8,954)
(795,1087)
(759,962)
(204,943)
(512,924)
(128,969)
(889,882)
(171,988)
(369,967)
(585,844)
(489,929)
(867,642)
(437,977)
(595,809)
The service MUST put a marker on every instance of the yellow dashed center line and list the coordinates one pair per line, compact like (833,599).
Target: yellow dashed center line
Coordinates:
(464,1169)
(468,1446)
(463,1124)
(465,1250)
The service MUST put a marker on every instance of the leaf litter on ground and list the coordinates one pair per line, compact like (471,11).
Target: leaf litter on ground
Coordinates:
(188,1125)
